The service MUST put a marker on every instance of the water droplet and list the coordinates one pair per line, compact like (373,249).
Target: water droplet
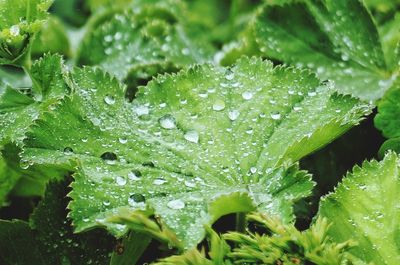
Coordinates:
(253,170)
(121,181)
(190,184)
(233,114)
(106,202)
(167,122)
(137,198)
(24,164)
(123,140)
(142,110)
(218,105)
(109,100)
(159,181)
(247,95)
(192,136)
(14,30)
(176,204)
(312,93)
(229,75)
(134,175)
(84,140)
(109,157)
(275,115)
(68,151)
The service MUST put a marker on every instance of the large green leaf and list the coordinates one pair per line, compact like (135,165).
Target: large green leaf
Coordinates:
(365,208)
(141,42)
(19,21)
(317,35)
(190,143)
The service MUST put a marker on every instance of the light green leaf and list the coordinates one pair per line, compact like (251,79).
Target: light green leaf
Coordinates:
(317,35)
(189,142)
(18,110)
(365,208)
(19,21)
(130,45)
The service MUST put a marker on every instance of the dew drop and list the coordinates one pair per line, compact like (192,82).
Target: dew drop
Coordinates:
(109,157)
(176,204)
(230,75)
(68,151)
(233,114)
(137,198)
(123,140)
(121,181)
(14,30)
(275,115)
(167,122)
(159,181)
(192,136)
(142,110)
(247,95)
(218,105)
(106,202)
(312,93)
(24,164)
(134,175)
(109,100)
(190,184)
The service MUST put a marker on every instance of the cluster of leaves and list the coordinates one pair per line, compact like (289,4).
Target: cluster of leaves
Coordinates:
(129,128)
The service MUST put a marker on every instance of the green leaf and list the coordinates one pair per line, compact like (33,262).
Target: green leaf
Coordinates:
(388,117)
(18,110)
(54,232)
(130,44)
(364,208)
(18,244)
(316,35)
(52,38)
(19,21)
(190,142)
(8,179)
(391,41)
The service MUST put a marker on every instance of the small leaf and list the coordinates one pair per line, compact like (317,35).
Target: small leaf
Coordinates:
(364,208)
(190,142)
(19,21)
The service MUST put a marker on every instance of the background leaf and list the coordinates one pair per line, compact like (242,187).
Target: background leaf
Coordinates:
(364,208)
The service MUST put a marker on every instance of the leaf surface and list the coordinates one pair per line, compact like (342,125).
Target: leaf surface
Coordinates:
(317,35)
(191,142)
(364,208)
(139,44)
